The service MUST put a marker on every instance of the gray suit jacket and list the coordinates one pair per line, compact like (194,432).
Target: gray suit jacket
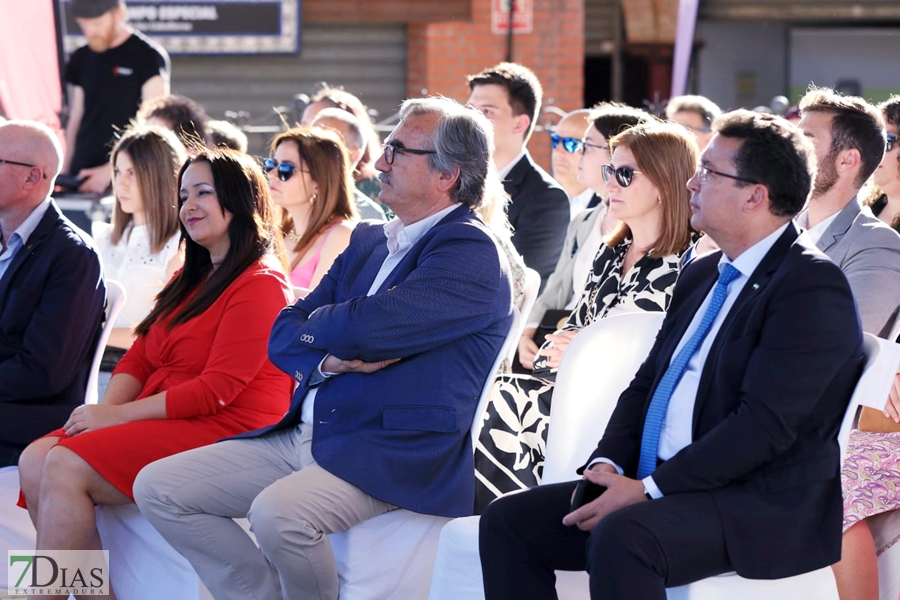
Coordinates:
(868,252)
(558,291)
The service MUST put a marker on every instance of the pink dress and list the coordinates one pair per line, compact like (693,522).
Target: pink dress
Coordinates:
(302,274)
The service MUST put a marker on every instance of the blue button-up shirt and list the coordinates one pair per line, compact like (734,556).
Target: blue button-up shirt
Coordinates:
(19,237)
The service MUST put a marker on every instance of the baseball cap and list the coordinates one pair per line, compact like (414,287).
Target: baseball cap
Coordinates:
(91,9)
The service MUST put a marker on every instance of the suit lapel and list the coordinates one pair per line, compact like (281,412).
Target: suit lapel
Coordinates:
(34,240)
(839,227)
(514,179)
(756,283)
(373,264)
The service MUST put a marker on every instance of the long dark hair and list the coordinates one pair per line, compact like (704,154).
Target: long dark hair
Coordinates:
(244,192)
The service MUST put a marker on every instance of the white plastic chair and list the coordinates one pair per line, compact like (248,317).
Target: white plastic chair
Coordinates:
(882,360)
(597,366)
(392,555)
(115,300)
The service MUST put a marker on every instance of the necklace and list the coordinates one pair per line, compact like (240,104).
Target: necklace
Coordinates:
(294,237)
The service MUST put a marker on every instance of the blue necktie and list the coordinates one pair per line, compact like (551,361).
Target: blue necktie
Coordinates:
(656,413)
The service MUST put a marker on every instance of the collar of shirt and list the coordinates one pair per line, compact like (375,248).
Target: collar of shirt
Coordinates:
(509,166)
(815,233)
(401,238)
(750,258)
(579,202)
(30,223)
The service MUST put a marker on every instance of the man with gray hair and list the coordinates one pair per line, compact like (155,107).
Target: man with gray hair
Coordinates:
(51,293)
(390,353)
(347,125)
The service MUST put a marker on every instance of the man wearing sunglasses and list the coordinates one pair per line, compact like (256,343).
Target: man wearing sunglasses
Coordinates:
(567,148)
(722,453)
(849,137)
(389,353)
(509,95)
(51,293)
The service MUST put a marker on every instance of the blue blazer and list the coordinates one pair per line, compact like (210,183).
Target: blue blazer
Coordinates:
(401,434)
(771,397)
(51,308)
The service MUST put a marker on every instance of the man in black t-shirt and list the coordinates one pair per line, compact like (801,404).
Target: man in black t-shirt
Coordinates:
(109,78)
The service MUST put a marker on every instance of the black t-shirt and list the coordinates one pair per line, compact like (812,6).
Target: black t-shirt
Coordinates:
(112,82)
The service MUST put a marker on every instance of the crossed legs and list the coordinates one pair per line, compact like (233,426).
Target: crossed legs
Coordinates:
(62,490)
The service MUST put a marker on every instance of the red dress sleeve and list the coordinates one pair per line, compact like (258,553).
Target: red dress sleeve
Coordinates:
(239,349)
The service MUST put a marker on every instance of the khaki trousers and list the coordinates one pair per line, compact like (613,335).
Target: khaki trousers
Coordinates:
(291,502)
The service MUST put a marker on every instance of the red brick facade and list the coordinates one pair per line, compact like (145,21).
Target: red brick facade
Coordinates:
(440,55)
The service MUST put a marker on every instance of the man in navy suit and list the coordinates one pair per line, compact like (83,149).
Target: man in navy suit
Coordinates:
(390,353)
(722,454)
(509,95)
(51,293)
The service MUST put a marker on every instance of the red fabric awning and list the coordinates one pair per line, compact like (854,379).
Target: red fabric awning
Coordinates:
(30,85)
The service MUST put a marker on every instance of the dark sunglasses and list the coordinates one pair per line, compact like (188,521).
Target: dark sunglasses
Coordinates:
(624,175)
(569,144)
(285,170)
(891,138)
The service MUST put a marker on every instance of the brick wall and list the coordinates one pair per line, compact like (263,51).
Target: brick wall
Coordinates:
(440,55)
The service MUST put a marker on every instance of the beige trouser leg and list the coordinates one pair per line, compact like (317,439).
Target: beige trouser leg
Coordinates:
(292,504)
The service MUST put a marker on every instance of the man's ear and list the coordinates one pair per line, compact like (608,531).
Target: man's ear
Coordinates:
(448,181)
(848,160)
(758,199)
(35,176)
(523,122)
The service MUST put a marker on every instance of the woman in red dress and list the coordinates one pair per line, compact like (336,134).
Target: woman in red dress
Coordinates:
(198,371)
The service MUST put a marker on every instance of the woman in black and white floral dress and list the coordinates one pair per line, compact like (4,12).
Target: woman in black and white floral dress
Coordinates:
(634,270)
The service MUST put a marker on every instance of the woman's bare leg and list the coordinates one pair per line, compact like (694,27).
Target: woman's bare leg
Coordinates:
(857,572)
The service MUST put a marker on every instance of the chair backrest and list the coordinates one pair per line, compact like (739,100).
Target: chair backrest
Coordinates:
(874,385)
(115,299)
(532,286)
(511,341)
(594,371)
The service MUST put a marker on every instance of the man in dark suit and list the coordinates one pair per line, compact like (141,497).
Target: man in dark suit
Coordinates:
(51,293)
(390,353)
(509,95)
(722,454)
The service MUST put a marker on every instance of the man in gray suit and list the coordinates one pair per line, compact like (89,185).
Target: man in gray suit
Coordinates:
(849,138)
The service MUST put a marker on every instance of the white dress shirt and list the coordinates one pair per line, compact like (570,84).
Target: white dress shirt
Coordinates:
(400,238)
(815,233)
(509,166)
(579,203)
(677,429)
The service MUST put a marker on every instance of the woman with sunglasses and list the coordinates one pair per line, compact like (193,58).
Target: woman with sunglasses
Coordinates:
(198,370)
(636,267)
(585,233)
(869,474)
(140,248)
(310,178)
(885,197)
(634,270)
